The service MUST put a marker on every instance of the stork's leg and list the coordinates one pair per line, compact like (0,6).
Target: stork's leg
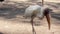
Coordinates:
(33,30)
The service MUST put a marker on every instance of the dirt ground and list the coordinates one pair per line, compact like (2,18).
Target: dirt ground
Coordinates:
(13,22)
(23,26)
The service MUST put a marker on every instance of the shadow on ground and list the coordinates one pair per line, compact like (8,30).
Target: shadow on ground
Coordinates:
(10,11)
(56,15)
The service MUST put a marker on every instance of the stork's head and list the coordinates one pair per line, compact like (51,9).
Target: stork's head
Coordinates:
(48,9)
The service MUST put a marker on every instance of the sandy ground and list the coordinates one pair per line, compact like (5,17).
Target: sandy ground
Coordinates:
(23,26)
(12,22)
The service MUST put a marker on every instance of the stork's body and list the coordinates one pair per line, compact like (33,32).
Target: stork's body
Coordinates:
(34,9)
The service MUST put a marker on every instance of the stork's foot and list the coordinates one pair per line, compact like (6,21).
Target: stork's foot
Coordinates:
(34,32)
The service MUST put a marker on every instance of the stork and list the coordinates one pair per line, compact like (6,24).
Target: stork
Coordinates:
(38,11)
